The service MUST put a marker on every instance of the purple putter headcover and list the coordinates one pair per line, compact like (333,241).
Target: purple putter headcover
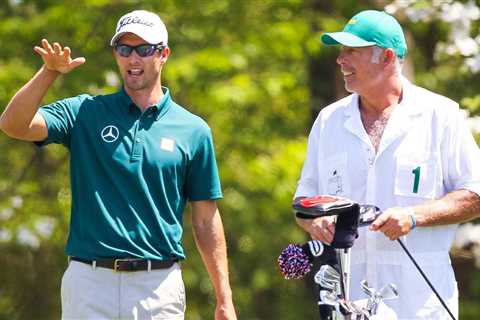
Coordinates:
(296,260)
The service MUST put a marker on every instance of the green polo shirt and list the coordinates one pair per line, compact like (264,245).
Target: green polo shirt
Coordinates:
(131,173)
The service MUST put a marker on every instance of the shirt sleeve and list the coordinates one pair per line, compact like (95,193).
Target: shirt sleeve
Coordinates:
(308,184)
(460,156)
(203,182)
(60,118)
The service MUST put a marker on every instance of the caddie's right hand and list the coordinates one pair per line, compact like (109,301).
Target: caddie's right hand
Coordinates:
(322,229)
(57,58)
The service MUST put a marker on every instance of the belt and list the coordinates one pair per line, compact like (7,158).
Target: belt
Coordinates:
(128,265)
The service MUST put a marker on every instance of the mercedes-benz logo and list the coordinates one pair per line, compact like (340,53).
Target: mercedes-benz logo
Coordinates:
(109,134)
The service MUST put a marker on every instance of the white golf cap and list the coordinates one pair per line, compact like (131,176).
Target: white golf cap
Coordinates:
(147,25)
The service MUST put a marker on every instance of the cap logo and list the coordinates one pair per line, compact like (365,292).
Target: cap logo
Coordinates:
(131,20)
(353,21)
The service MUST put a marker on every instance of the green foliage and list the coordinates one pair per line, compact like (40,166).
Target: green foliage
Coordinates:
(255,71)
(472,104)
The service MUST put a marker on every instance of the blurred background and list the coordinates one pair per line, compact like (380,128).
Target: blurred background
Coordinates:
(256,71)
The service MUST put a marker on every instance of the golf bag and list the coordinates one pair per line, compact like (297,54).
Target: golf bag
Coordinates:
(333,275)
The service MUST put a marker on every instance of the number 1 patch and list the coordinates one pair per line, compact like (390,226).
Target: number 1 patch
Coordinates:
(415,179)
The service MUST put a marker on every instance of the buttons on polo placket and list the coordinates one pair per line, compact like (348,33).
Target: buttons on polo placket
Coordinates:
(137,147)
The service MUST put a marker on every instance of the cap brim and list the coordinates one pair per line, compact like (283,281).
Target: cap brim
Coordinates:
(115,38)
(346,39)
(153,38)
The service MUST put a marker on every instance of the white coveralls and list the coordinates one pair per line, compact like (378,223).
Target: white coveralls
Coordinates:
(425,152)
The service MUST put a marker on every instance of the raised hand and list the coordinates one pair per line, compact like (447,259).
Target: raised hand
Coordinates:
(57,58)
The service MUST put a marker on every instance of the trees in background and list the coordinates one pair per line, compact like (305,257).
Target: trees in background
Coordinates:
(255,70)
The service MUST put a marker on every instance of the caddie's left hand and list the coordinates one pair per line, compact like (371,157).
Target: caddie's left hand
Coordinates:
(225,311)
(393,222)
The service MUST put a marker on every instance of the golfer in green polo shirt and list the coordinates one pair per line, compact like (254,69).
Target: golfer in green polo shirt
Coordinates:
(136,158)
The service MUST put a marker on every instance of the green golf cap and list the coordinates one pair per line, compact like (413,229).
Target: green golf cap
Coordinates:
(370,28)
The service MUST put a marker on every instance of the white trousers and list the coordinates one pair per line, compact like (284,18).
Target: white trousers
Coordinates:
(90,293)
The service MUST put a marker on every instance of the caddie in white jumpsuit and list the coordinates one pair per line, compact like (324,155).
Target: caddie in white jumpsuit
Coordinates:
(402,148)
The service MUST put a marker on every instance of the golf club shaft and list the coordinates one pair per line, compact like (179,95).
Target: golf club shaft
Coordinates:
(346,272)
(425,278)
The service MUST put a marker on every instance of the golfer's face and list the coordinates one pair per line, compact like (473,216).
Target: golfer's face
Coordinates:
(139,72)
(359,73)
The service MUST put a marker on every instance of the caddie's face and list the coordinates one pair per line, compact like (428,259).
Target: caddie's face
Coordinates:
(361,71)
(139,72)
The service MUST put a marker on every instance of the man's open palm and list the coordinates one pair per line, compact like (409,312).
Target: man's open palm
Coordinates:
(57,58)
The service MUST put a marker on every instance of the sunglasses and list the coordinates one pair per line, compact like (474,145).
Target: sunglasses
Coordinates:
(143,50)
